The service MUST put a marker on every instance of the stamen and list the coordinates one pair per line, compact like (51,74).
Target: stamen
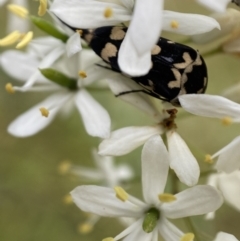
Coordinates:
(18,10)
(10,39)
(227,121)
(44,112)
(150,220)
(64,167)
(121,194)
(174,24)
(208,159)
(108,239)
(169,122)
(67,199)
(82,74)
(9,88)
(79,31)
(108,12)
(26,39)
(42,7)
(167,197)
(85,228)
(187,237)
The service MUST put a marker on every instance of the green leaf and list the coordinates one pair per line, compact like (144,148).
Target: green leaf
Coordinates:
(59,78)
(49,28)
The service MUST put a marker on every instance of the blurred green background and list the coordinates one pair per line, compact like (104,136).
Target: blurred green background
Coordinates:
(32,190)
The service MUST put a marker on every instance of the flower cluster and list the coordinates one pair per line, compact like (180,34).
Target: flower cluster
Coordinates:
(68,64)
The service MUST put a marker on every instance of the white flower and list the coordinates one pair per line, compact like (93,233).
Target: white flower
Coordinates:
(221,236)
(152,214)
(147,21)
(127,139)
(95,118)
(228,185)
(214,106)
(107,173)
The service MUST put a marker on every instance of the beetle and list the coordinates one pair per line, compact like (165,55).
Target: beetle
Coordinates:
(176,68)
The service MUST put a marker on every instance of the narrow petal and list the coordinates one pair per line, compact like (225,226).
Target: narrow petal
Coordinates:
(89,14)
(221,236)
(186,23)
(31,122)
(95,118)
(73,44)
(182,160)
(230,188)
(18,65)
(215,5)
(139,235)
(103,201)
(169,231)
(135,51)
(213,106)
(229,157)
(119,84)
(155,165)
(130,61)
(127,139)
(197,200)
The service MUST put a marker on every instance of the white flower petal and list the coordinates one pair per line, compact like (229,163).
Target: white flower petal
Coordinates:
(89,14)
(95,118)
(221,236)
(73,44)
(129,60)
(103,201)
(139,235)
(155,165)
(127,139)
(215,5)
(31,122)
(18,65)
(230,188)
(182,160)
(186,23)
(119,84)
(210,106)
(229,157)
(193,201)
(169,231)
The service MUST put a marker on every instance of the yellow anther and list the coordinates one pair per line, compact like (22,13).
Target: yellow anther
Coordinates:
(166,197)
(79,31)
(44,112)
(85,228)
(208,159)
(67,199)
(42,7)
(121,194)
(18,10)
(187,237)
(108,239)
(174,24)
(10,39)
(26,39)
(82,74)
(9,88)
(108,13)
(64,167)
(227,121)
